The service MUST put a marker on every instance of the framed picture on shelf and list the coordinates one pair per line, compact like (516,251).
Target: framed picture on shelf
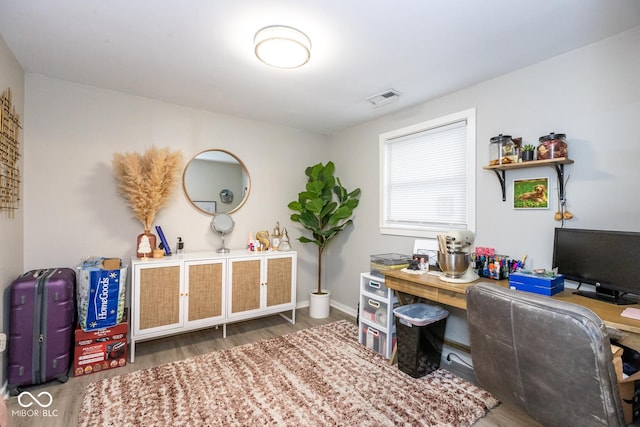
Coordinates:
(531,193)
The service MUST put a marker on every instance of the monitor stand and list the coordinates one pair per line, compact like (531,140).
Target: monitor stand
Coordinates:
(610,296)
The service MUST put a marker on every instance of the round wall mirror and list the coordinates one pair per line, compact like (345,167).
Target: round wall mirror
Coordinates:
(222,224)
(216,181)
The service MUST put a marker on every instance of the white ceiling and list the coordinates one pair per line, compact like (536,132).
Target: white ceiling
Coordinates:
(199,53)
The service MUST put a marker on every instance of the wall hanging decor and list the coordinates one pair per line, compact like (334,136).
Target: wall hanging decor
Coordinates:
(9,155)
(531,193)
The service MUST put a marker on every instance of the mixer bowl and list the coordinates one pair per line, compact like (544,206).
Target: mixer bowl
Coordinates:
(453,265)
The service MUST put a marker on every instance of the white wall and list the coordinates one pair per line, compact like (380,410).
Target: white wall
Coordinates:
(11,249)
(73,209)
(591,94)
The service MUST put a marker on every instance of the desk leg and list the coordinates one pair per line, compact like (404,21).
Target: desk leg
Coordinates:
(394,355)
(401,296)
(394,352)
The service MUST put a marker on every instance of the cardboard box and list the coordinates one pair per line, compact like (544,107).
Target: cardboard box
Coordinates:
(101,349)
(537,284)
(111,263)
(629,387)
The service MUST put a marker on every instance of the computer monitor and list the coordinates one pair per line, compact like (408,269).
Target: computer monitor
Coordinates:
(609,260)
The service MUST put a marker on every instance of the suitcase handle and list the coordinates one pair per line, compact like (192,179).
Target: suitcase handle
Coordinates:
(38,273)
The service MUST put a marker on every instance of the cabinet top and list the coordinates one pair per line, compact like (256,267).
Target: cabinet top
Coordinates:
(209,255)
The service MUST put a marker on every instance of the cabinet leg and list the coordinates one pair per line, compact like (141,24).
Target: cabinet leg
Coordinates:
(291,319)
(224,330)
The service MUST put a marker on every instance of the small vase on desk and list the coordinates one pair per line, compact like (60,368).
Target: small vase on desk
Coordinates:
(146,244)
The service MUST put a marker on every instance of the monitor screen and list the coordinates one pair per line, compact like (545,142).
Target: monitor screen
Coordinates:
(606,259)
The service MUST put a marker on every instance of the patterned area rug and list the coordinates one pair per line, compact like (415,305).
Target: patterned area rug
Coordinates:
(315,377)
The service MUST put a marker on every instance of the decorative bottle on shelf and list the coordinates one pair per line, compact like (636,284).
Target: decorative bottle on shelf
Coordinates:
(275,237)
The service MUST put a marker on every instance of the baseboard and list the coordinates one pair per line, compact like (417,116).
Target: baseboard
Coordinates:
(343,308)
(455,354)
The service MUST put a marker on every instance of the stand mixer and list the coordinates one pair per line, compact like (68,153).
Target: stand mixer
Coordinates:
(454,256)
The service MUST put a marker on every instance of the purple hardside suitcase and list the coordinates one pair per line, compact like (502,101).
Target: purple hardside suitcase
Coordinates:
(41,327)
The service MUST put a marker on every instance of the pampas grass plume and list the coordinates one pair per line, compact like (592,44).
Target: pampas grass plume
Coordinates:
(146,181)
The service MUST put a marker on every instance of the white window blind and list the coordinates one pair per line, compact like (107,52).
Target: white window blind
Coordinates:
(427,180)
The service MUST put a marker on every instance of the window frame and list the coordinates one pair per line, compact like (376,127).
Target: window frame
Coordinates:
(423,230)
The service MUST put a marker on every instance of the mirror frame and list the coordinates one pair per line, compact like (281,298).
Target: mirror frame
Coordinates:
(242,165)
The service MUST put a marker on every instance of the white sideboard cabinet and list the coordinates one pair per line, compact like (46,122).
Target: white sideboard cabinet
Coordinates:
(181,293)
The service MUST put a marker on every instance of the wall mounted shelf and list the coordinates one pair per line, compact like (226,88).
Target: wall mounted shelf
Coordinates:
(557,164)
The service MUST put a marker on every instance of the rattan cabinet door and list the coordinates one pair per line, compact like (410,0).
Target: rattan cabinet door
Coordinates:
(245,284)
(158,291)
(205,291)
(279,283)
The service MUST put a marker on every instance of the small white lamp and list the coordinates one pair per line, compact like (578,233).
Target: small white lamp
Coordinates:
(282,47)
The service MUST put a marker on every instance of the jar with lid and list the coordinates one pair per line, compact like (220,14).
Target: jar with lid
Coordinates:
(502,150)
(552,146)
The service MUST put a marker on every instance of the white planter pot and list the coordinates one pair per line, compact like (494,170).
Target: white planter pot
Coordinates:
(319,304)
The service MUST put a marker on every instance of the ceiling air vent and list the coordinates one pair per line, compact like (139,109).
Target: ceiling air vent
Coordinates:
(383,98)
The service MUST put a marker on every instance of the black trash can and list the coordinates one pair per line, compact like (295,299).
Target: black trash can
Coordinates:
(419,337)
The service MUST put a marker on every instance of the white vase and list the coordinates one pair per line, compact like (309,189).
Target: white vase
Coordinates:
(319,304)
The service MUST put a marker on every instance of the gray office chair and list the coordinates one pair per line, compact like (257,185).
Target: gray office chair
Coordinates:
(549,358)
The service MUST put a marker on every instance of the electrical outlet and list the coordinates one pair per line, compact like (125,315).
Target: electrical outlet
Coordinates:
(3,342)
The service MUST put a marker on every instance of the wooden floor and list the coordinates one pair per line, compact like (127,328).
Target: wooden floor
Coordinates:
(67,397)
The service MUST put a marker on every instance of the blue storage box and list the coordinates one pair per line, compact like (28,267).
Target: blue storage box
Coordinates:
(537,284)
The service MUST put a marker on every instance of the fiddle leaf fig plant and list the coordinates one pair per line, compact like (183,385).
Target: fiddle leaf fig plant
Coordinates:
(324,209)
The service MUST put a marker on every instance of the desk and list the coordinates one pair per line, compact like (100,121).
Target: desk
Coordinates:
(430,287)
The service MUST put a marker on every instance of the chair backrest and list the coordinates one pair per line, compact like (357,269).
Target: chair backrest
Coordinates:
(549,358)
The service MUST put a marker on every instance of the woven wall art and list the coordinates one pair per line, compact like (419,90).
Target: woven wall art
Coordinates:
(9,155)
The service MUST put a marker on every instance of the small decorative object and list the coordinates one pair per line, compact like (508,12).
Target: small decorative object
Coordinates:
(163,241)
(158,253)
(531,193)
(275,236)
(146,181)
(146,244)
(180,246)
(553,146)
(226,196)
(527,153)
(324,208)
(284,241)
(263,238)
(563,213)
(502,150)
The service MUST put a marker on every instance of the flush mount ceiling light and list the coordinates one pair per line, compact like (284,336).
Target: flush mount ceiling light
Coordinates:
(282,47)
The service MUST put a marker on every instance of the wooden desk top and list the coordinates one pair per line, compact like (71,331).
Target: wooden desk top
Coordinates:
(431,287)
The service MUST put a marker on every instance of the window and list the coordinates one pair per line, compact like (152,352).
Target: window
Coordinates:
(427,177)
